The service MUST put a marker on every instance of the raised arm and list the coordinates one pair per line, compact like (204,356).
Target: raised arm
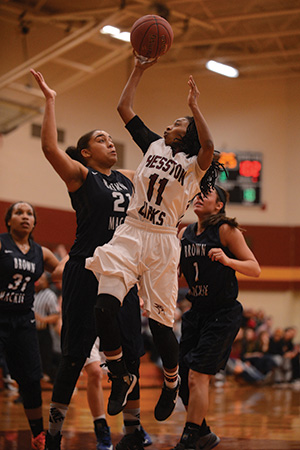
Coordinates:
(71,172)
(205,154)
(125,105)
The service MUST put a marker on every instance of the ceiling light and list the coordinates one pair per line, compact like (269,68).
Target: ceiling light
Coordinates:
(108,29)
(116,33)
(123,35)
(222,69)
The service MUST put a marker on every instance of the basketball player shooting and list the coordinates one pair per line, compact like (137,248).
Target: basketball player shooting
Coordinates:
(145,248)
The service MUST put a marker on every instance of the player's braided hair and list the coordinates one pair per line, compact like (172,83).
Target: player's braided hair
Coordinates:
(209,179)
(83,142)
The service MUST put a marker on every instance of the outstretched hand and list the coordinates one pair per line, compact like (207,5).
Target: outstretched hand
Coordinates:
(48,93)
(143,62)
(193,92)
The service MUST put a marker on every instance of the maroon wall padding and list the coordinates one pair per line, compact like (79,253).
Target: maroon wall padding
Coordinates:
(276,246)
(54,226)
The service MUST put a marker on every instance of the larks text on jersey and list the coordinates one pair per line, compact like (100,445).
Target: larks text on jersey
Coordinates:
(154,215)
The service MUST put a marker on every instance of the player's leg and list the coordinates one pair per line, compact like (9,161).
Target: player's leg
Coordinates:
(78,335)
(159,290)
(106,312)
(116,266)
(167,346)
(96,400)
(23,360)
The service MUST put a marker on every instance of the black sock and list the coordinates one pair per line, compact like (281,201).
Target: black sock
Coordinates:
(190,434)
(195,429)
(36,426)
(203,428)
(99,424)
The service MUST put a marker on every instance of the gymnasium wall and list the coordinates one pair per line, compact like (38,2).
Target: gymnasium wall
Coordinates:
(252,115)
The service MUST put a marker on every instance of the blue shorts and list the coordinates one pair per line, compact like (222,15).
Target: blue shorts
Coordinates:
(206,340)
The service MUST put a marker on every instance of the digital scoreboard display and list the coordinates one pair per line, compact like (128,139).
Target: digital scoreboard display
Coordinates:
(244,171)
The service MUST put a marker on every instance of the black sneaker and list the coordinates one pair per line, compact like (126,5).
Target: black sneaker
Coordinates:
(122,385)
(207,442)
(53,442)
(166,402)
(188,439)
(133,441)
(189,442)
(103,438)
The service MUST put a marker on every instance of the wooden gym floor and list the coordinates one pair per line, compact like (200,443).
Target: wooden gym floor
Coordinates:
(243,416)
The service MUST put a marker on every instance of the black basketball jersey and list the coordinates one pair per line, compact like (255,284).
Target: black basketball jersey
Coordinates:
(18,273)
(211,284)
(100,204)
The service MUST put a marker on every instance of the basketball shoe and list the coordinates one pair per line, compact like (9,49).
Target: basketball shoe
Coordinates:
(103,438)
(123,383)
(190,440)
(133,441)
(166,402)
(53,442)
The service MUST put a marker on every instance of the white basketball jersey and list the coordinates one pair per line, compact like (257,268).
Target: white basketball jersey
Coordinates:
(164,185)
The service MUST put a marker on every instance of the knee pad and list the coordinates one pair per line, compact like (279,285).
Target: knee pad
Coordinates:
(31,394)
(165,342)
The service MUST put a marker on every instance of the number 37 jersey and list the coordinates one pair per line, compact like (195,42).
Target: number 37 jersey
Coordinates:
(164,183)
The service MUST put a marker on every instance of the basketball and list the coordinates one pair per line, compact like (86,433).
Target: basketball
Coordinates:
(151,36)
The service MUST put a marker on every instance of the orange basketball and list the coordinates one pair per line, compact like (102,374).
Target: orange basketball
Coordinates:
(151,36)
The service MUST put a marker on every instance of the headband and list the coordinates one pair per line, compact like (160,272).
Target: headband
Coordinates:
(222,197)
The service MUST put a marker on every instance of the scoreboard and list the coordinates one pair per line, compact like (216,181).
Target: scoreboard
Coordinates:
(244,177)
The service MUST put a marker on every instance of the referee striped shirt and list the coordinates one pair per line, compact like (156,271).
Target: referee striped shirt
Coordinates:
(45,304)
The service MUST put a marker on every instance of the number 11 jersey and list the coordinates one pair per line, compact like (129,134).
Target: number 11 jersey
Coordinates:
(164,183)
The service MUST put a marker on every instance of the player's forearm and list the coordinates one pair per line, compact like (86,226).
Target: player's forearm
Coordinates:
(125,105)
(49,130)
(205,137)
(204,134)
(249,267)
